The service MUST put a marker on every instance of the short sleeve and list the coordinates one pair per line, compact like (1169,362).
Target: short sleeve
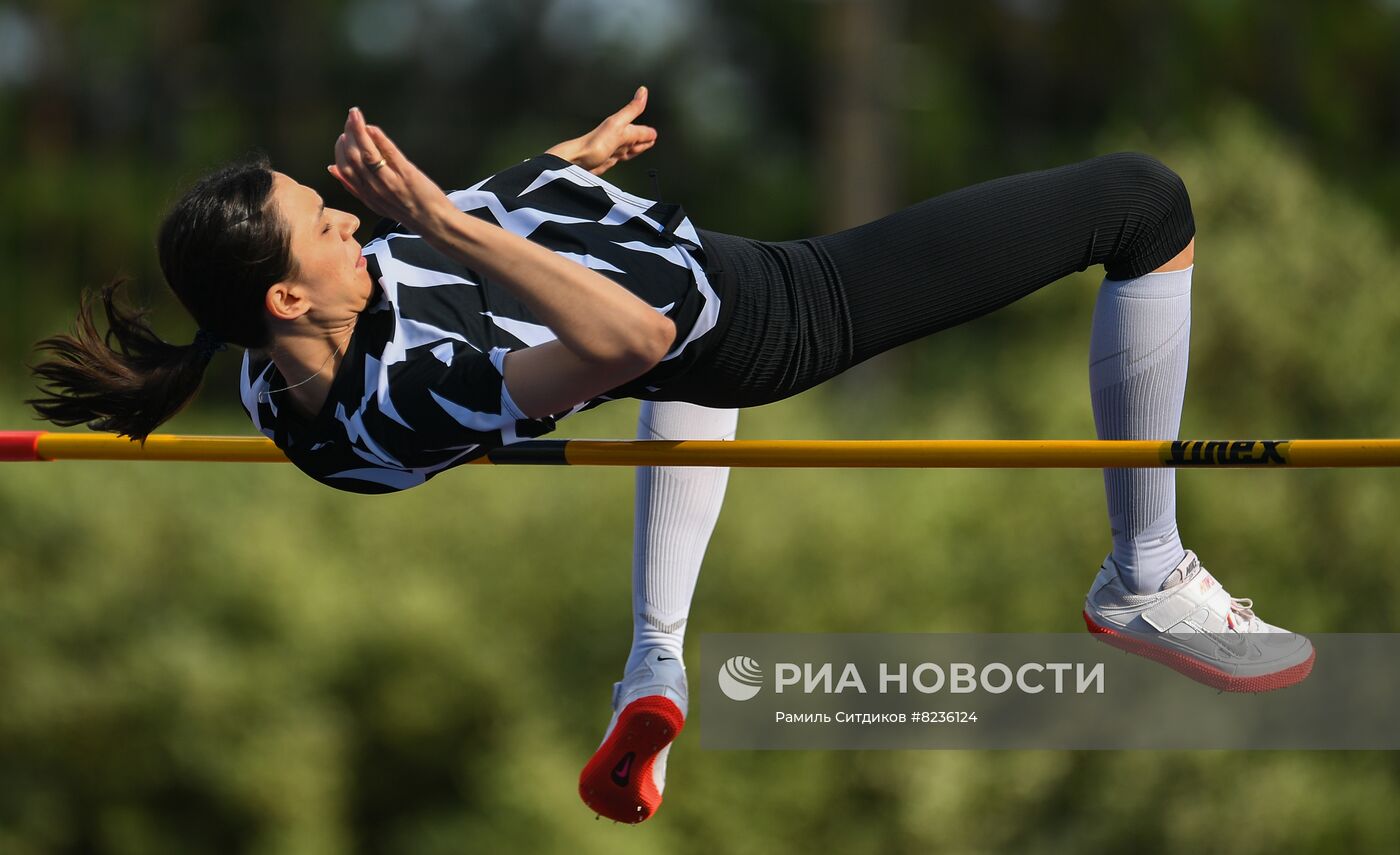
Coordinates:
(497,357)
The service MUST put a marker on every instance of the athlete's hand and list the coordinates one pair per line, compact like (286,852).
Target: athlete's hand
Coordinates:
(370,166)
(616,139)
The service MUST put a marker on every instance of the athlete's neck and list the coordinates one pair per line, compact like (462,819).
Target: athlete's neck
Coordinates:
(308,365)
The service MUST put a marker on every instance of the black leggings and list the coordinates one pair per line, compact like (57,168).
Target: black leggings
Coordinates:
(797,313)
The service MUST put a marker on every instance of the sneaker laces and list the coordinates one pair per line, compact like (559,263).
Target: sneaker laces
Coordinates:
(1244,608)
(1240,617)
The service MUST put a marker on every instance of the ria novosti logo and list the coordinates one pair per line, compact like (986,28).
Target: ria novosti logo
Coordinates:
(740,678)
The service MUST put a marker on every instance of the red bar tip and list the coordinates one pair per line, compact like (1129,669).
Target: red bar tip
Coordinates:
(20,444)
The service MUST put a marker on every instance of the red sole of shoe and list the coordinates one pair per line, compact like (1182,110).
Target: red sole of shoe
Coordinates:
(1199,671)
(617,781)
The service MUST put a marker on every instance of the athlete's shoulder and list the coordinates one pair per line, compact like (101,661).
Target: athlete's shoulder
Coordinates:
(513,179)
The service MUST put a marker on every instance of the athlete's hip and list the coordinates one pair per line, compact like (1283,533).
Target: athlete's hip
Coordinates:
(785,330)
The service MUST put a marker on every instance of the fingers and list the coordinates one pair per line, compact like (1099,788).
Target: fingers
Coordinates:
(335,172)
(633,151)
(342,160)
(353,165)
(636,134)
(385,146)
(355,151)
(637,139)
(627,151)
(395,188)
(633,109)
(358,133)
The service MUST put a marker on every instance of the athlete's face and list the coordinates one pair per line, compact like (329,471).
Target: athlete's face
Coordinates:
(331,276)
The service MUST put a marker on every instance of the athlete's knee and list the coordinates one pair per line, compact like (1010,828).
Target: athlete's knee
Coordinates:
(678,420)
(1158,217)
(1155,181)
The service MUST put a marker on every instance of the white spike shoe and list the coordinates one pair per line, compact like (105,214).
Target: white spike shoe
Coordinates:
(1194,626)
(626,776)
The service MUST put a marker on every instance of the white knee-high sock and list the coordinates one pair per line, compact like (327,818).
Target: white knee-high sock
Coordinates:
(1138,353)
(676,511)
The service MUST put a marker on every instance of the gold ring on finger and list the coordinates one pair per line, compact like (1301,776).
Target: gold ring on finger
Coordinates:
(379,164)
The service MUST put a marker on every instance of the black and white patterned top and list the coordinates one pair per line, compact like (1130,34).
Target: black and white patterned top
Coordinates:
(420,388)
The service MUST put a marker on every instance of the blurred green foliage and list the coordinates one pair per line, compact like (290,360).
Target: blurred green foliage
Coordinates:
(214,658)
(224,658)
(108,110)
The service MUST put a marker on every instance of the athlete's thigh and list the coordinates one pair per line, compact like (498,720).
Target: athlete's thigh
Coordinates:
(955,257)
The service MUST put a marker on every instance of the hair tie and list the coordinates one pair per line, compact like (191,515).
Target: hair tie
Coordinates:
(208,343)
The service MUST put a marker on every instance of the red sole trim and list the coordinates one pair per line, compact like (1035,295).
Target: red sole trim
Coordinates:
(643,728)
(1199,671)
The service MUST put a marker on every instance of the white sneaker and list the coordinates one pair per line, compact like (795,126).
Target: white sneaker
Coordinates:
(627,774)
(1194,626)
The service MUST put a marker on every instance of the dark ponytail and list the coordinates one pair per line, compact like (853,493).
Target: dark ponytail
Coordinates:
(221,247)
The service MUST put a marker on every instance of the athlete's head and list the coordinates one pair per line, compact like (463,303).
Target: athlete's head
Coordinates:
(329,283)
(252,256)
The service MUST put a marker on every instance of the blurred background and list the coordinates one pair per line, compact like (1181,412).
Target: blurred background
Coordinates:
(220,658)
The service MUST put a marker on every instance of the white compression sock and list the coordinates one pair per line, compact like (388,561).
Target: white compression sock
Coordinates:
(1138,353)
(676,511)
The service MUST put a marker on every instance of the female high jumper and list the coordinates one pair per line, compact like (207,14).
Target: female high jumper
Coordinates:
(476,319)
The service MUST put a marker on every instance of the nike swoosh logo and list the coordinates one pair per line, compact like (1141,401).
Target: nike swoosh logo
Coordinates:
(622,771)
(665,659)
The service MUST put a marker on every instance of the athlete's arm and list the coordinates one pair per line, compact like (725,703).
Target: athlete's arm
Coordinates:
(549,378)
(606,334)
(615,139)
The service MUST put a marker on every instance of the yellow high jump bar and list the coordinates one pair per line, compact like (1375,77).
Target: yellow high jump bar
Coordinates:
(916,454)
